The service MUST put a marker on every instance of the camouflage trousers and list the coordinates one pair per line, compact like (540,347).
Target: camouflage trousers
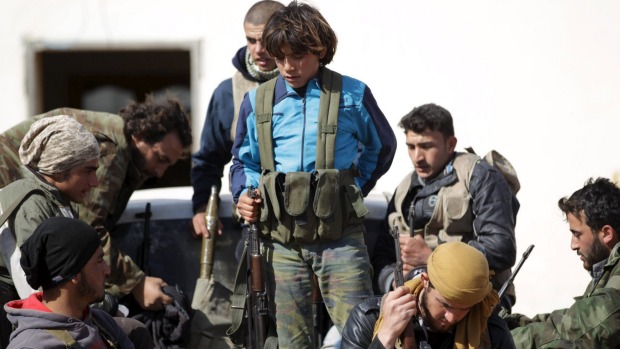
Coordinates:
(344,276)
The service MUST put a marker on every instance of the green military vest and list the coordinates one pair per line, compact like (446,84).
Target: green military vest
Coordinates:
(303,206)
(452,218)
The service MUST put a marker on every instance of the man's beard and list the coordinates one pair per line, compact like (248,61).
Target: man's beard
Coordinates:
(426,315)
(86,291)
(424,312)
(140,162)
(597,252)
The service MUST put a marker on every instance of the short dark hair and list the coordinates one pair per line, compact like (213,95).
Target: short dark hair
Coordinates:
(260,12)
(153,119)
(599,200)
(428,117)
(303,29)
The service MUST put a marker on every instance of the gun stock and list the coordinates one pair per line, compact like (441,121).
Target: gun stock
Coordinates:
(208,243)
(258,306)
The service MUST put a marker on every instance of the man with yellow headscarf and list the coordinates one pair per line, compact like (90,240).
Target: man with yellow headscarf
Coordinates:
(449,306)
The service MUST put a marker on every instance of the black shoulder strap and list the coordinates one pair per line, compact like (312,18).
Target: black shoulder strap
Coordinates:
(104,332)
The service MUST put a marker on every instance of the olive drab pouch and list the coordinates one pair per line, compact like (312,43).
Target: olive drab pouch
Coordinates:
(270,187)
(297,193)
(327,192)
(327,205)
(355,200)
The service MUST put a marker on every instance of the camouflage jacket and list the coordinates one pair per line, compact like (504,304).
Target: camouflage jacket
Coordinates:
(593,321)
(118,177)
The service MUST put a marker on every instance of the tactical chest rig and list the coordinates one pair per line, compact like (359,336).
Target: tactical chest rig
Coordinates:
(308,207)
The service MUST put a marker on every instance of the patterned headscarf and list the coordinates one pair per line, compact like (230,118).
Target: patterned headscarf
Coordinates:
(57,144)
(460,274)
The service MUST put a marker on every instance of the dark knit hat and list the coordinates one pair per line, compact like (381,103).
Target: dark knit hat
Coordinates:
(57,250)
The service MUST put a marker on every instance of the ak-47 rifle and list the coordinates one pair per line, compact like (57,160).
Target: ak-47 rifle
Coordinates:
(407,338)
(258,309)
(208,243)
(514,274)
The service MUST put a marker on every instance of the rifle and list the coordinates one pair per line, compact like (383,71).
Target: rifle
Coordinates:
(407,338)
(257,296)
(512,277)
(208,243)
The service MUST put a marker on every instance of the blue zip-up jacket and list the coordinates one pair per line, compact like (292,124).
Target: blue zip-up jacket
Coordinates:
(364,136)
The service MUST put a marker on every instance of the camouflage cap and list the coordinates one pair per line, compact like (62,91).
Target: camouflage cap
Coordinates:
(57,144)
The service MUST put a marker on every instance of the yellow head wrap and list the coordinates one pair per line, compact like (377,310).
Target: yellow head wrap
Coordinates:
(460,273)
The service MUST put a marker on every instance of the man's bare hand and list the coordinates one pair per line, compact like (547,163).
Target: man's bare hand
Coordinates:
(248,208)
(200,225)
(398,307)
(149,294)
(414,252)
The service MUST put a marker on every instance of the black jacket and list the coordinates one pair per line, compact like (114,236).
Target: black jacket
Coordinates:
(357,333)
(494,209)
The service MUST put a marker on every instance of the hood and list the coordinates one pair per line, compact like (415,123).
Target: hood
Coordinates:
(239,62)
(31,313)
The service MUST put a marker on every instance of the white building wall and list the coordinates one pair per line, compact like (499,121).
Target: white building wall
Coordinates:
(537,80)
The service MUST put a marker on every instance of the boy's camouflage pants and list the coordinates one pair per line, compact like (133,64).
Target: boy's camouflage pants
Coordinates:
(344,273)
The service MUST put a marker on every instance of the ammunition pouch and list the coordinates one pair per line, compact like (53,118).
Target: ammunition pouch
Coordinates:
(309,207)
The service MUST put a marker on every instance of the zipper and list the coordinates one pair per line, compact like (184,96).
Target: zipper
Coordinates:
(303,131)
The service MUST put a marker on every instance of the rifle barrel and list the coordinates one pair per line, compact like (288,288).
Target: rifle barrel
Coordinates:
(514,274)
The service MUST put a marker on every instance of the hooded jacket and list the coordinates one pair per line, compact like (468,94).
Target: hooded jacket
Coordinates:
(32,318)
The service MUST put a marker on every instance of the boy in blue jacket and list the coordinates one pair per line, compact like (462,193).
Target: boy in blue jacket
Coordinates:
(313,162)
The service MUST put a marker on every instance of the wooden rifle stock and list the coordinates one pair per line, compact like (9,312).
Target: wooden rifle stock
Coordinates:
(257,307)
(208,243)
(407,338)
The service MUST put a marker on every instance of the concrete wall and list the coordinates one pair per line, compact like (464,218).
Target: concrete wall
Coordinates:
(537,80)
